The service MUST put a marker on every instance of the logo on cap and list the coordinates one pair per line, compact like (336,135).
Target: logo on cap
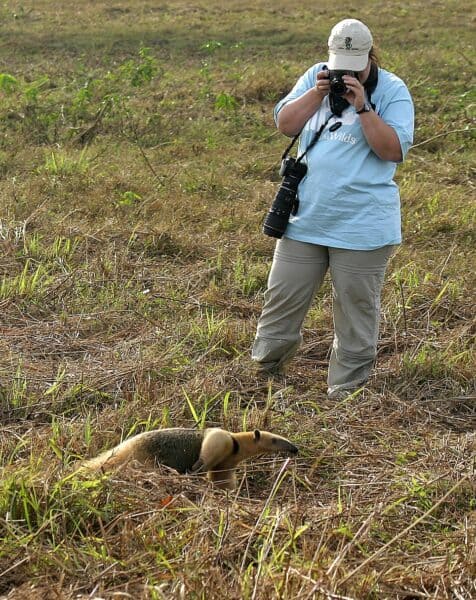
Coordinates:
(348,43)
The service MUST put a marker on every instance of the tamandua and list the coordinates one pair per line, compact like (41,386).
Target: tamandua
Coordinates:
(214,451)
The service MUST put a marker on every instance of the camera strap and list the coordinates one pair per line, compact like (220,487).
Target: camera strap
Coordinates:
(288,149)
(316,137)
(314,140)
(371,83)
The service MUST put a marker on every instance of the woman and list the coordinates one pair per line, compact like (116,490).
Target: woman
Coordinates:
(348,219)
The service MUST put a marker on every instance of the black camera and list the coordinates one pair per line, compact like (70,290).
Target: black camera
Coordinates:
(337,85)
(285,202)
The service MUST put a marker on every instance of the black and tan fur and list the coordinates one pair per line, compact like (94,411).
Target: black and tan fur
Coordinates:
(214,451)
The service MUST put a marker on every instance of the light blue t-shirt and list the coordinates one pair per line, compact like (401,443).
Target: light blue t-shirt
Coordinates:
(348,198)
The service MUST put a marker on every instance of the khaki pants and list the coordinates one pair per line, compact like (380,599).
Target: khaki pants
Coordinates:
(296,275)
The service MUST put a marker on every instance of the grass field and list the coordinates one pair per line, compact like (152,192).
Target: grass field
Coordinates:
(138,158)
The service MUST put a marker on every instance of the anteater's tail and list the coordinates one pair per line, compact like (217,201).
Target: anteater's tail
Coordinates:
(111,459)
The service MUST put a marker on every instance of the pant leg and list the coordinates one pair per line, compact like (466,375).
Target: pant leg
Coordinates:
(357,280)
(296,274)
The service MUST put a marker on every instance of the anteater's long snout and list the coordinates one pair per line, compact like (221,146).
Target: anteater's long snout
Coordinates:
(285,445)
(292,449)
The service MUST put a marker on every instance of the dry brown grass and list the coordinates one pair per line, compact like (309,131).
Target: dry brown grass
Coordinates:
(131,278)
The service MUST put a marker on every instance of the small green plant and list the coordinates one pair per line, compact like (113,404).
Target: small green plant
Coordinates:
(433,204)
(55,439)
(418,489)
(225,102)
(142,71)
(17,395)
(30,282)
(60,249)
(88,430)
(249,277)
(33,90)
(131,282)
(199,414)
(56,386)
(146,425)
(405,457)
(211,46)
(8,83)
(129,199)
(63,163)
(209,335)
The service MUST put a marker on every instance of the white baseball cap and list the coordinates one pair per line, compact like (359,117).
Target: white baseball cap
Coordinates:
(349,44)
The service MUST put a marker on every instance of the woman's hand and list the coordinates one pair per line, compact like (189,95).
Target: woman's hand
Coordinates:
(355,93)
(381,137)
(322,84)
(294,115)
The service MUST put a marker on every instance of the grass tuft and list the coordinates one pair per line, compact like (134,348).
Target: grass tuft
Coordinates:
(138,158)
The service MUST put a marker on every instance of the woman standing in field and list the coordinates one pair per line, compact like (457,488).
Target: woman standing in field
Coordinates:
(348,220)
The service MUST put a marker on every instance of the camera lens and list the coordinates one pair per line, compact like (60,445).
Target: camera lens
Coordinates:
(285,201)
(337,85)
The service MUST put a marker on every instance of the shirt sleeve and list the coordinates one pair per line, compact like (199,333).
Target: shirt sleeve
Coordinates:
(304,83)
(400,115)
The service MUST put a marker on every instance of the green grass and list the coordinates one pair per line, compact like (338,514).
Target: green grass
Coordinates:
(138,158)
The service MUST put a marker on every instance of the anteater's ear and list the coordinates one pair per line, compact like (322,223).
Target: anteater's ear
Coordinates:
(257,435)
(236,445)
